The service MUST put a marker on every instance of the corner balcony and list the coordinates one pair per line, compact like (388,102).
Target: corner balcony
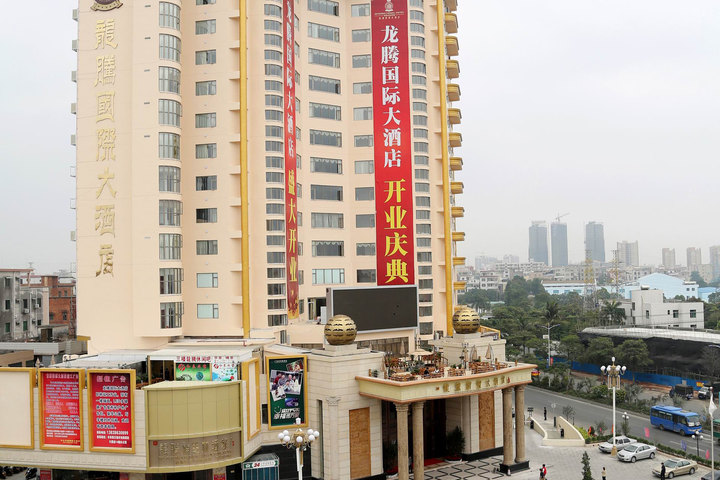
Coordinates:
(456,261)
(456,163)
(453,68)
(456,188)
(457,212)
(451,46)
(451,25)
(459,285)
(453,92)
(454,116)
(455,139)
(458,236)
(451,5)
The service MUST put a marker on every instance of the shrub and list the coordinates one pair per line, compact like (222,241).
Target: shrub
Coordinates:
(599,391)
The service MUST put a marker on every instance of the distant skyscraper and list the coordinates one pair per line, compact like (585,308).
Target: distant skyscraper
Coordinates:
(628,253)
(715,261)
(668,257)
(694,259)
(538,250)
(511,258)
(595,241)
(559,244)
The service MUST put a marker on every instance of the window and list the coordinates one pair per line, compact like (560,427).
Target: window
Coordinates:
(363,35)
(693,313)
(206,150)
(322,137)
(171,314)
(273,146)
(275,257)
(416,3)
(328,248)
(364,166)
(207,280)
(273,70)
(425,270)
(422,160)
(275,177)
(417,28)
(324,6)
(365,249)
(366,276)
(365,220)
(363,113)
(274,131)
(422,187)
(323,57)
(325,165)
(170,246)
(323,84)
(361,88)
(206,247)
(273,40)
(361,61)
(417,15)
(7,304)
(328,276)
(276,289)
(207,182)
(425,311)
(208,310)
(361,10)
(275,240)
(169,15)
(273,101)
(169,79)
(422,174)
(274,115)
(417,53)
(423,147)
(169,112)
(169,179)
(419,80)
(276,304)
(206,88)
(424,256)
(419,67)
(273,25)
(363,140)
(422,214)
(205,57)
(275,209)
(274,194)
(326,192)
(419,107)
(275,225)
(273,11)
(675,313)
(326,220)
(169,47)
(206,215)
(204,27)
(417,41)
(425,283)
(420,120)
(278,320)
(322,110)
(425,242)
(273,85)
(364,193)
(275,56)
(419,93)
(169,145)
(423,229)
(276,272)
(274,162)
(171,281)
(325,32)
(205,120)
(170,212)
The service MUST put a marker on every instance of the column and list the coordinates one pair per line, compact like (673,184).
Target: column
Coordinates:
(402,441)
(520,423)
(507,426)
(330,439)
(418,441)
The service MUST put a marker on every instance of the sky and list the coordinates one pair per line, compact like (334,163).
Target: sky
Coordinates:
(606,110)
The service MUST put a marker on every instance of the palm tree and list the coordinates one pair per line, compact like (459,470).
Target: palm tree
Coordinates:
(613,312)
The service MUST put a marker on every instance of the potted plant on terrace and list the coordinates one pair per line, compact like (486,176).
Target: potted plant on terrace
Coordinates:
(454,444)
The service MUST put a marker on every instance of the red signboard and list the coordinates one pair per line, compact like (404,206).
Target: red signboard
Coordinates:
(110,399)
(393,144)
(45,474)
(61,409)
(291,240)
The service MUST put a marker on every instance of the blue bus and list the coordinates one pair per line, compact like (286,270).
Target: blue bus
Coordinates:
(675,419)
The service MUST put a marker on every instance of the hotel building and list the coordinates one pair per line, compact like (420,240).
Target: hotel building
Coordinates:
(183,183)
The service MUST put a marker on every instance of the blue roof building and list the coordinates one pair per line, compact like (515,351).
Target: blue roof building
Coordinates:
(670,286)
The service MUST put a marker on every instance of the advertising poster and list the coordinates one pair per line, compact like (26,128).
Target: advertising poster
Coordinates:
(17,407)
(393,143)
(61,409)
(287,390)
(224,368)
(193,371)
(110,408)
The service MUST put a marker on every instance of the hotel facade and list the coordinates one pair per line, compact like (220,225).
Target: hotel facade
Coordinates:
(209,205)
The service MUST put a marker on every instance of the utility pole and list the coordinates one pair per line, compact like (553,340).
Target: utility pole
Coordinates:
(590,291)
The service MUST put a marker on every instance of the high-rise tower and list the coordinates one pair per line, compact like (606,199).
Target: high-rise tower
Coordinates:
(668,257)
(628,253)
(595,241)
(538,248)
(559,244)
(694,259)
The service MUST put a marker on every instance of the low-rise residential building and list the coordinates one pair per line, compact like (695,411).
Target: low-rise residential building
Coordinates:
(648,307)
(670,286)
(23,307)
(61,307)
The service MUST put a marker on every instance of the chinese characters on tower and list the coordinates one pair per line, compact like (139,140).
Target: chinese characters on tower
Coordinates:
(393,154)
(291,238)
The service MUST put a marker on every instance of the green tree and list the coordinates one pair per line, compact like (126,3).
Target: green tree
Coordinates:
(714,297)
(633,352)
(587,473)
(600,350)
(612,312)
(603,294)
(695,277)
(516,293)
(475,298)
(571,348)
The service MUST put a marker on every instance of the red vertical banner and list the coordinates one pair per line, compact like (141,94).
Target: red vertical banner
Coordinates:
(291,237)
(61,409)
(110,410)
(393,143)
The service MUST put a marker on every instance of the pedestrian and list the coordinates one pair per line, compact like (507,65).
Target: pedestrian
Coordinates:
(545,413)
(662,471)
(604,473)
(543,472)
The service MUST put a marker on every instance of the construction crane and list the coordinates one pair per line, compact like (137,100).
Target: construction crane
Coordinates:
(557,219)
(590,299)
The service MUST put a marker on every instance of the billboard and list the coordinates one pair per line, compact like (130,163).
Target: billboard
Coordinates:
(287,390)
(376,308)
(193,371)
(204,368)
(110,410)
(61,425)
(16,407)
(394,237)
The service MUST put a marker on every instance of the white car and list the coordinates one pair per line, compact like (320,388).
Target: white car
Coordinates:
(636,451)
(621,441)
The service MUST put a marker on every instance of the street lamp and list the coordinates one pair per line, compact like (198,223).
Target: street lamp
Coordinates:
(300,441)
(613,373)
(697,437)
(626,419)
(549,327)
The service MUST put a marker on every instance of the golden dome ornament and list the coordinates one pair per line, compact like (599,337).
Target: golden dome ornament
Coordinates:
(340,330)
(466,320)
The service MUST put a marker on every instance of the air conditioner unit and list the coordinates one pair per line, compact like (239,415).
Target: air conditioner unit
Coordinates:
(75,45)
(75,14)
(26,310)
(73,76)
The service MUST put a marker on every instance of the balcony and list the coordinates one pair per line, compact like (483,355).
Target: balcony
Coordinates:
(456,163)
(451,5)
(455,139)
(454,116)
(458,236)
(451,24)
(456,188)
(459,285)
(458,261)
(457,212)
(453,69)
(453,92)
(451,46)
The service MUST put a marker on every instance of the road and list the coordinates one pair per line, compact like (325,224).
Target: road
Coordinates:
(589,413)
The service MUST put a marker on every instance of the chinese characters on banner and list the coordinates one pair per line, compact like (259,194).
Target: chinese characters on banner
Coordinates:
(110,409)
(105,194)
(393,152)
(291,240)
(61,409)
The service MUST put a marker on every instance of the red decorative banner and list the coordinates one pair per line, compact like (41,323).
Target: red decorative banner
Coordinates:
(110,408)
(61,414)
(393,144)
(291,252)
